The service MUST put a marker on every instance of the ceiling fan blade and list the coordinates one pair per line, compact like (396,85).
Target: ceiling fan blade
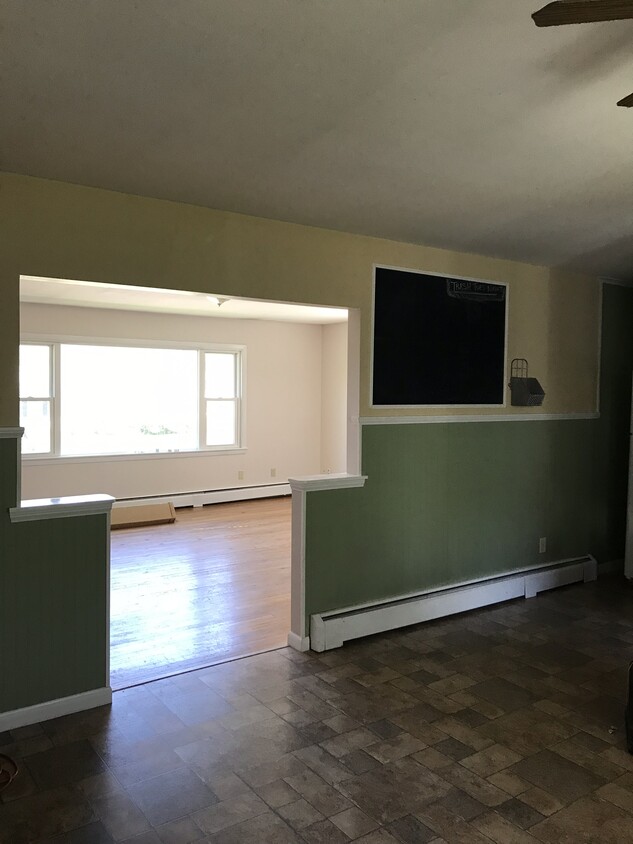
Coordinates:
(562,12)
(626,102)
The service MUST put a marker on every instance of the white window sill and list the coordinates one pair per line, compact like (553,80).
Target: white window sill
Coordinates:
(48,460)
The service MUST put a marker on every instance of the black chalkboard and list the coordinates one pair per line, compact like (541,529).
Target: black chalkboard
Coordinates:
(437,340)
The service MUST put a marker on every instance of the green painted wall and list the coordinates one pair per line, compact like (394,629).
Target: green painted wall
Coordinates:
(445,503)
(8,479)
(612,444)
(52,601)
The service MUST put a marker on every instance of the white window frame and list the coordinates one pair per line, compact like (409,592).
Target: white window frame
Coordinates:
(56,341)
(237,398)
(50,398)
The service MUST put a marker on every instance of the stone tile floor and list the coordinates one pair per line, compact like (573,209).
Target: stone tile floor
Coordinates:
(502,725)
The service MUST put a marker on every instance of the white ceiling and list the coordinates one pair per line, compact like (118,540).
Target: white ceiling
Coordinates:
(447,122)
(90,294)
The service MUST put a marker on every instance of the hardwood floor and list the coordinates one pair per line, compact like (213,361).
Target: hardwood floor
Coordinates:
(215,585)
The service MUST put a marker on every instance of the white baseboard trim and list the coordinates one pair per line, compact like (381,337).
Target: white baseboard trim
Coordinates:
(298,643)
(611,567)
(55,708)
(213,496)
(331,630)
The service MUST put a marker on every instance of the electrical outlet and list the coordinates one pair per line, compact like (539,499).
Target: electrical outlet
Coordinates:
(542,545)
(273,473)
(240,475)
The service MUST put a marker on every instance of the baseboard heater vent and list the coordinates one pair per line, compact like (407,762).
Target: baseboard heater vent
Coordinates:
(331,630)
(211,496)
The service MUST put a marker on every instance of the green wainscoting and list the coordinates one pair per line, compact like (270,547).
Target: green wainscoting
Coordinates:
(447,503)
(8,478)
(52,601)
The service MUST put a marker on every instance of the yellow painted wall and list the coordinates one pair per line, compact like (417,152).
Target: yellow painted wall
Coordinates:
(59,230)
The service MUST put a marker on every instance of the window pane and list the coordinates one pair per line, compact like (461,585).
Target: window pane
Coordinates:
(35,418)
(219,375)
(128,400)
(35,379)
(221,423)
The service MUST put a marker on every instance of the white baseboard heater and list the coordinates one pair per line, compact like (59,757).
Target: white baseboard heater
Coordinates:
(212,496)
(332,629)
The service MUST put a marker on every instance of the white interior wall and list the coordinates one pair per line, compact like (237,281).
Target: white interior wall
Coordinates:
(284,410)
(334,398)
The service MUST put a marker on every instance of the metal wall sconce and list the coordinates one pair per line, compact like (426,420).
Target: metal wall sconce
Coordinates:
(524,391)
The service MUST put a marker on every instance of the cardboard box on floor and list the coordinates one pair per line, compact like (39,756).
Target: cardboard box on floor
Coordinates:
(143,515)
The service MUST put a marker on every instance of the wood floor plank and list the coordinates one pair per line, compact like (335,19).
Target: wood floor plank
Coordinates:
(215,585)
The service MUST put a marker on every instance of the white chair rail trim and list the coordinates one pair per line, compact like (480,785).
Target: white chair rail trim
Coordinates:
(11,433)
(480,417)
(36,509)
(316,483)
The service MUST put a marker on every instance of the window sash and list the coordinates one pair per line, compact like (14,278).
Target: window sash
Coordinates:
(236,429)
(56,399)
(49,375)
(25,441)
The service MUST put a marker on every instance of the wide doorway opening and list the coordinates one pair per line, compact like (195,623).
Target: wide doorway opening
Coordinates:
(204,405)
(212,586)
